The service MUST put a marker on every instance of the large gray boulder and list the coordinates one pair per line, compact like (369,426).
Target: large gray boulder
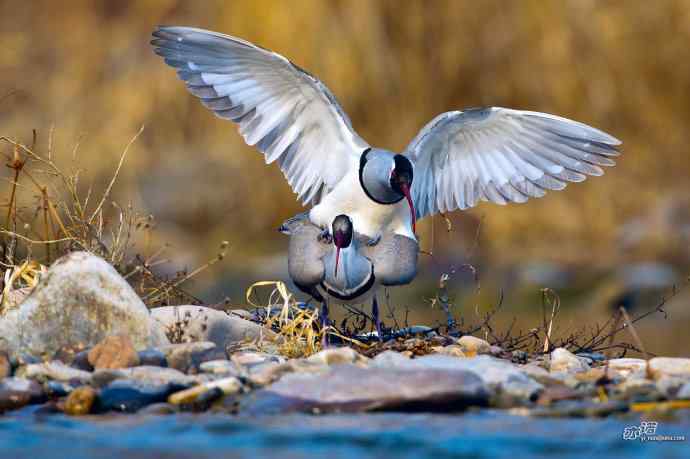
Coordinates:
(351,388)
(79,301)
(198,323)
(509,384)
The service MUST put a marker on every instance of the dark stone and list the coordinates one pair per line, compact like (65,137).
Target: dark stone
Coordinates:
(349,388)
(13,399)
(24,359)
(81,361)
(58,388)
(131,396)
(34,389)
(152,357)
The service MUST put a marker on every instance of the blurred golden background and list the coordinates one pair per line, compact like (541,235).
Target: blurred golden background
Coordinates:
(86,70)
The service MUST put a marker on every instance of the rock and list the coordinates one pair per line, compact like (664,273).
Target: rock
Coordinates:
(55,370)
(684,392)
(540,374)
(18,392)
(158,409)
(626,366)
(81,361)
(672,386)
(250,359)
(242,313)
(564,360)
(471,346)
(519,357)
(79,301)
(219,367)
(509,384)
(389,359)
(187,357)
(80,401)
(350,388)
(56,389)
(452,350)
(12,400)
(130,396)
(153,358)
(5,366)
(669,366)
(266,374)
(497,351)
(227,386)
(580,408)
(593,375)
(338,356)
(198,323)
(593,356)
(145,375)
(29,386)
(18,360)
(114,352)
(553,394)
(638,390)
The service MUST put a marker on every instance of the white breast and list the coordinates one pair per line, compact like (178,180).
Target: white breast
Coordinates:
(368,217)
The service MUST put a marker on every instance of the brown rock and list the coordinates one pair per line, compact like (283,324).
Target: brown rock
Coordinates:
(5,367)
(114,352)
(80,401)
(452,350)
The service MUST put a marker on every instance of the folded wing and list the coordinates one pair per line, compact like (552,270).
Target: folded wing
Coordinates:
(289,115)
(501,155)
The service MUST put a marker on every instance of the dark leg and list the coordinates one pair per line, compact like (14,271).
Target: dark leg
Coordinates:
(377,320)
(324,323)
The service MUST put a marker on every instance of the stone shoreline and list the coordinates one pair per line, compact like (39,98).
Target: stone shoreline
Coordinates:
(82,343)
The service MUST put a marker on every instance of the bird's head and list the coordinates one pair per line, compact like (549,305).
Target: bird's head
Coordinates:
(342,236)
(386,178)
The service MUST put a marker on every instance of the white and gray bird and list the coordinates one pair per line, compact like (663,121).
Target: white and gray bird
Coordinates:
(345,268)
(457,160)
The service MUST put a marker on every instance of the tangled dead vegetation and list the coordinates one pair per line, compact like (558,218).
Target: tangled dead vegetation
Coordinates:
(50,213)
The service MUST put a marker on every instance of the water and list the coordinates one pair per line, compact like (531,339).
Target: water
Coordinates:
(488,434)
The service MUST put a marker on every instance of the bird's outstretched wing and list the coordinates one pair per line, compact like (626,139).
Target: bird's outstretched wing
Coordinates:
(501,155)
(289,115)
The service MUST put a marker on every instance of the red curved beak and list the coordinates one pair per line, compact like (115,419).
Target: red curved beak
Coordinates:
(337,259)
(406,191)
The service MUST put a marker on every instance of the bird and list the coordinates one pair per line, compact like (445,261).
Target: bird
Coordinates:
(460,158)
(343,267)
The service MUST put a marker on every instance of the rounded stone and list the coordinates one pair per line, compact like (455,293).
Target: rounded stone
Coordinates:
(471,345)
(80,401)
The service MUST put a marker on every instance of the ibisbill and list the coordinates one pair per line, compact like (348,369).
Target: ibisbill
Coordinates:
(458,159)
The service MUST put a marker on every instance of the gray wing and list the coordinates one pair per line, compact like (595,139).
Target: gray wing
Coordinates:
(289,115)
(501,155)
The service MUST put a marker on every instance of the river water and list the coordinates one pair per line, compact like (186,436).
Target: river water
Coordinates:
(487,434)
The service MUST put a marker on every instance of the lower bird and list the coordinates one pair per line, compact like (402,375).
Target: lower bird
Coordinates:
(340,266)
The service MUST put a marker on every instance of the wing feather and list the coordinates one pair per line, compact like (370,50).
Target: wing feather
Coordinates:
(289,115)
(502,155)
